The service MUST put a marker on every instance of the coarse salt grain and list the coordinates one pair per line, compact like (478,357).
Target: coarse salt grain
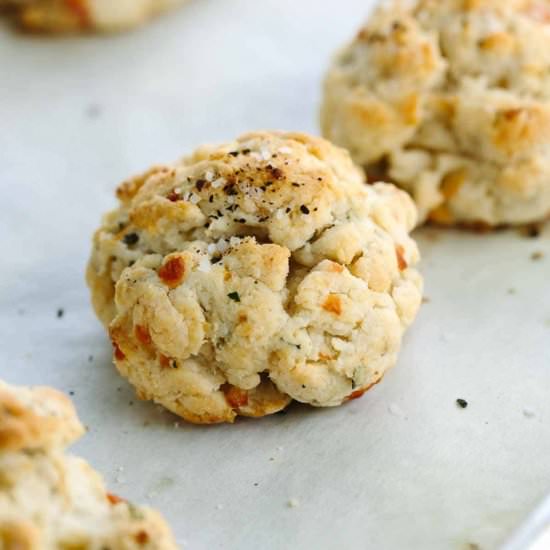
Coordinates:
(209,176)
(204,265)
(265,154)
(218,183)
(251,191)
(211,248)
(279,215)
(285,150)
(194,199)
(222,245)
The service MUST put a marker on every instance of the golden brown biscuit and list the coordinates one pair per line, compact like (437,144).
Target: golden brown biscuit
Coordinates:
(59,16)
(450,99)
(37,418)
(50,500)
(254,273)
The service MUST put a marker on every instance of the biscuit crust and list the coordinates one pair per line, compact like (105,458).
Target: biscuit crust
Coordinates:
(253,273)
(450,99)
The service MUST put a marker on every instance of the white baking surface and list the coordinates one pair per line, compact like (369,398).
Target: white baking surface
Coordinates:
(403,467)
(534,533)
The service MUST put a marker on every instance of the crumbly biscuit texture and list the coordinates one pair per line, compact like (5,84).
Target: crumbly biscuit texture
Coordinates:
(450,99)
(253,273)
(38,418)
(50,500)
(60,16)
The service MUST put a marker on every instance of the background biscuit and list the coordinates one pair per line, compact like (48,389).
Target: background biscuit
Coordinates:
(451,100)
